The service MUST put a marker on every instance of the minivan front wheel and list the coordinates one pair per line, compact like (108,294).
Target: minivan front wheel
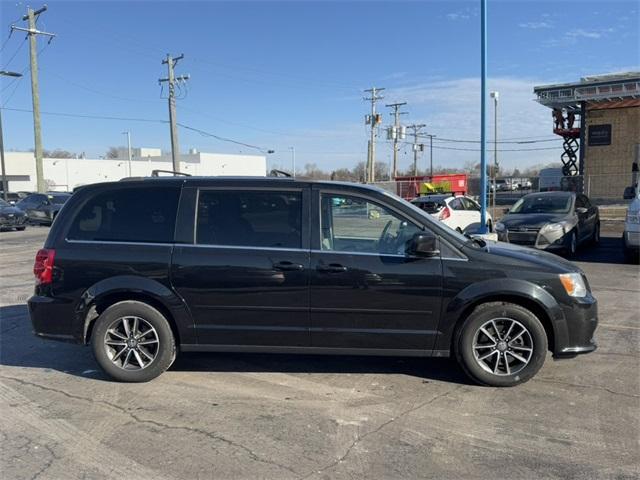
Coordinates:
(133,342)
(501,344)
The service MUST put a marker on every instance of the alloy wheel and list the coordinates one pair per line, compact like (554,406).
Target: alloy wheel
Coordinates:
(131,343)
(502,346)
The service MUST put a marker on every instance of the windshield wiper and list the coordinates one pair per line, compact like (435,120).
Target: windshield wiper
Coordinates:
(480,242)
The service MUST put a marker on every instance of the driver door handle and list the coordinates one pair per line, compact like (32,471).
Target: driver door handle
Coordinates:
(288,267)
(331,268)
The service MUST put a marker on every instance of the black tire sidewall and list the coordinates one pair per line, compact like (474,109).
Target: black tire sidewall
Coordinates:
(167,348)
(484,313)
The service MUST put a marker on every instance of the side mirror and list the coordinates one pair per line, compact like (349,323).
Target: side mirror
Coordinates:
(629,193)
(505,211)
(582,210)
(423,245)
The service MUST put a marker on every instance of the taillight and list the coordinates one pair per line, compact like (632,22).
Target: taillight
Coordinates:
(445,213)
(43,266)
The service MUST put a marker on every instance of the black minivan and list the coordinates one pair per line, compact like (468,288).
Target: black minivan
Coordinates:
(144,268)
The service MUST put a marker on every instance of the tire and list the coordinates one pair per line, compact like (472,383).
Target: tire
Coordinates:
(595,238)
(121,358)
(572,244)
(471,344)
(20,229)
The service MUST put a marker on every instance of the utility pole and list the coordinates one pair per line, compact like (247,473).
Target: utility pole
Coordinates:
(33,32)
(374,120)
(171,79)
(396,133)
(5,183)
(128,134)
(416,146)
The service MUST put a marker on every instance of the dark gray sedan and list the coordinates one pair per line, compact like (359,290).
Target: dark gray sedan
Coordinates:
(557,221)
(42,208)
(11,217)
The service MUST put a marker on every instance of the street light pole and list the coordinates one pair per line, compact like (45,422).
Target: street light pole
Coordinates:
(495,96)
(483,110)
(293,160)
(5,183)
(128,134)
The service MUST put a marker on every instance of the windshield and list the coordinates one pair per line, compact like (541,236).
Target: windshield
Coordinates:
(543,204)
(58,199)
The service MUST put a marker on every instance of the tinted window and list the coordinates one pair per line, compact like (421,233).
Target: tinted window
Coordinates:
(250,218)
(352,224)
(470,204)
(456,204)
(430,206)
(30,202)
(128,215)
(543,204)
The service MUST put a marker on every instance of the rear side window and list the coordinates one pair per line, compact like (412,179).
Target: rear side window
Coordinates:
(128,215)
(431,206)
(249,218)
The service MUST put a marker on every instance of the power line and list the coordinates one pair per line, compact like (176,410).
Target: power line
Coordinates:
(15,53)
(223,139)
(95,117)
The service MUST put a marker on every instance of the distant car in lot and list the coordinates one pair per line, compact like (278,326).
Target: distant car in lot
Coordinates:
(144,269)
(42,208)
(458,212)
(558,221)
(14,197)
(631,234)
(11,217)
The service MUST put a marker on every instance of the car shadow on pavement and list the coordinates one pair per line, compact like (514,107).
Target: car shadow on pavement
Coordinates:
(609,250)
(19,347)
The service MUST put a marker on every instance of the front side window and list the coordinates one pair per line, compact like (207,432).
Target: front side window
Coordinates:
(456,204)
(353,224)
(128,215)
(249,218)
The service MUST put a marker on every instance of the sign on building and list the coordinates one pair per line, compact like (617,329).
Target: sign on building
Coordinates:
(599,135)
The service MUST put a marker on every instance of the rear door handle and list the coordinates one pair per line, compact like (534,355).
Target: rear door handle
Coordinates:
(331,268)
(288,266)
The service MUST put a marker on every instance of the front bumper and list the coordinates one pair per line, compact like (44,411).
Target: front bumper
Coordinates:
(581,317)
(552,240)
(632,238)
(12,221)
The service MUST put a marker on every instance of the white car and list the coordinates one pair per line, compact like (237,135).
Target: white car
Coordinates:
(632,225)
(458,212)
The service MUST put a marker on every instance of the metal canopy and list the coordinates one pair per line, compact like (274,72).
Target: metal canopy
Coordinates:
(594,89)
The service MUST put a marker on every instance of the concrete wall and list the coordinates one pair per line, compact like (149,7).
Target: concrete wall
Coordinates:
(608,167)
(65,174)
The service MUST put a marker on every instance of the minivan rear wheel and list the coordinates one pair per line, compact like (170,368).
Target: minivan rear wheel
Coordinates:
(501,344)
(133,342)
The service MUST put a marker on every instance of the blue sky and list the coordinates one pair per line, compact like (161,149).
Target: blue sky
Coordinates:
(282,74)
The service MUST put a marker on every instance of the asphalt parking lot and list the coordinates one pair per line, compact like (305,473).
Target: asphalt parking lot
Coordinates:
(246,416)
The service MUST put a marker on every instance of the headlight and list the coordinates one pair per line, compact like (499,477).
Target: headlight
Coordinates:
(563,226)
(573,284)
(500,227)
(633,217)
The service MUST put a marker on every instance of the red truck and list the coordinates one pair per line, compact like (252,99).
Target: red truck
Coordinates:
(410,187)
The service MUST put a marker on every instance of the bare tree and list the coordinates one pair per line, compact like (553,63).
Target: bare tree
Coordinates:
(112,153)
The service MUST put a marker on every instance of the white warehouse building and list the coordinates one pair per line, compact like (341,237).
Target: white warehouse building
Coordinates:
(64,174)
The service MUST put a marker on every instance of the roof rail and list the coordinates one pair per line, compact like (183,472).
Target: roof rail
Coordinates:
(155,173)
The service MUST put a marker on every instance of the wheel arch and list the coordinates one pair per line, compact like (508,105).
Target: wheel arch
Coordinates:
(520,292)
(113,290)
